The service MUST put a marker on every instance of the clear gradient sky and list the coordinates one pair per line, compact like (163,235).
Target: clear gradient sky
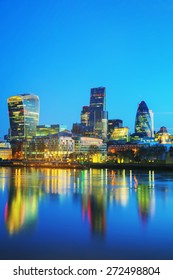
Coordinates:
(59,49)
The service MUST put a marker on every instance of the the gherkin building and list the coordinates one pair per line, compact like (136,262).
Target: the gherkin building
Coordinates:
(143,126)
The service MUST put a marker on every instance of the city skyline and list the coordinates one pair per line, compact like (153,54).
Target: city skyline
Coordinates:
(131,129)
(59,51)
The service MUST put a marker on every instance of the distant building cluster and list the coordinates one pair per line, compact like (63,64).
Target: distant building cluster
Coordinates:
(94,139)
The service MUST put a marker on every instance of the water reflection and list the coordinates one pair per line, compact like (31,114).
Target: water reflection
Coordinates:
(94,207)
(145,195)
(5,175)
(94,199)
(96,189)
(21,208)
(146,202)
(119,190)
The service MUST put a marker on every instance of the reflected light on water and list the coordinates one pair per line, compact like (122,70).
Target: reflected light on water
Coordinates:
(96,188)
(4,178)
(21,209)
(104,208)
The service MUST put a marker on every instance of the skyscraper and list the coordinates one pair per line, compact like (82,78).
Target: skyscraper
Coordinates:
(143,125)
(98,115)
(23,115)
(97,104)
(152,122)
(85,115)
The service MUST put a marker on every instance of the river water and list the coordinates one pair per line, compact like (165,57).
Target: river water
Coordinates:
(85,214)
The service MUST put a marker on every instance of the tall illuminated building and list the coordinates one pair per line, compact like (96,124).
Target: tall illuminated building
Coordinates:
(85,115)
(98,116)
(152,122)
(23,115)
(97,104)
(143,123)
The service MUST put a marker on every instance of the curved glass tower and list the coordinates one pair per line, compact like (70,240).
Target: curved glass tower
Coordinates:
(23,115)
(143,124)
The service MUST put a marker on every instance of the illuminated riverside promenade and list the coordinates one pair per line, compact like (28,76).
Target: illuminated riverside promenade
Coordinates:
(50,213)
(87,165)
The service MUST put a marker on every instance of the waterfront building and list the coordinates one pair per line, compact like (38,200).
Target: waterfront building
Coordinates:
(162,136)
(5,151)
(122,152)
(65,144)
(23,115)
(59,147)
(90,148)
(114,147)
(36,148)
(51,147)
(143,124)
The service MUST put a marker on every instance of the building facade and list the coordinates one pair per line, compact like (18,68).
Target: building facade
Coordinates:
(162,136)
(85,114)
(51,147)
(120,133)
(98,118)
(5,151)
(45,130)
(97,104)
(90,149)
(23,115)
(114,123)
(143,124)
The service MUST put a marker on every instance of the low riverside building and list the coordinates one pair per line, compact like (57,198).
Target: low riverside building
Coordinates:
(122,152)
(137,152)
(65,144)
(5,151)
(52,147)
(65,147)
(90,149)
(162,136)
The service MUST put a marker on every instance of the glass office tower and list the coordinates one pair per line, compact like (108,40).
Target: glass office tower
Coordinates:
(98,117)
(143,125)
(23,115)
(85,115)
(97,104)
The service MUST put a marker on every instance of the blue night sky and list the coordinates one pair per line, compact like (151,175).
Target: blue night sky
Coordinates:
(59,49)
